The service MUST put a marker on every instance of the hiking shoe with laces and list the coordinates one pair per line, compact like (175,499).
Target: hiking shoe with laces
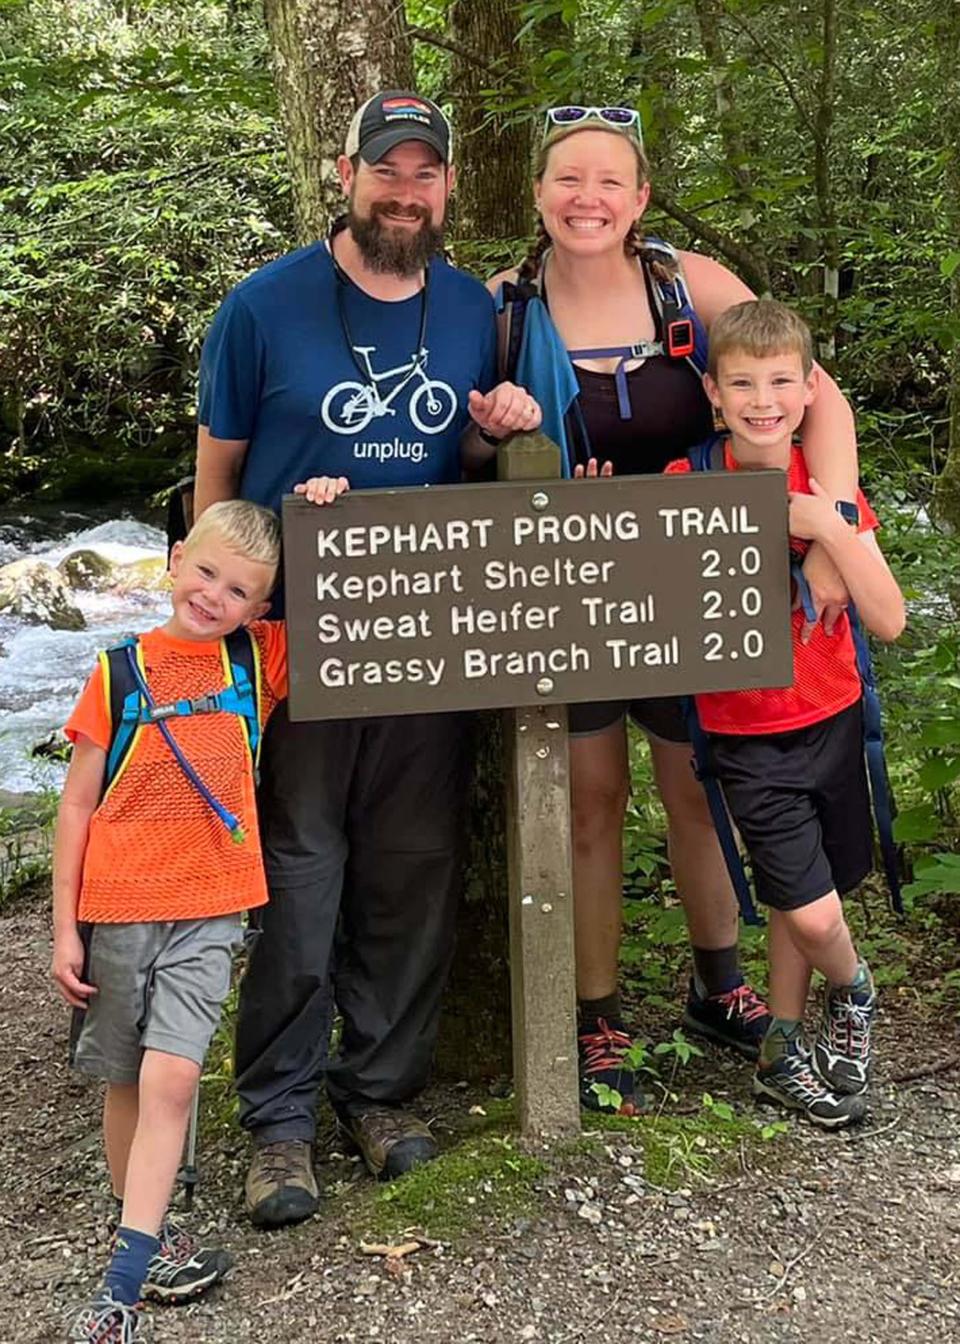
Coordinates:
(790,1081)
(105,1321)
(390,1140)
(841,1051)
(738,1019)
(602,1049)
(280,1187)
(182,1268)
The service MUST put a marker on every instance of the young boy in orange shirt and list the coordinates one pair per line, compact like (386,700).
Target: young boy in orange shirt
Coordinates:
(149,887)
(791,761)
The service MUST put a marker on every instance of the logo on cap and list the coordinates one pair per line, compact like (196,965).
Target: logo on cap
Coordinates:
(405,109)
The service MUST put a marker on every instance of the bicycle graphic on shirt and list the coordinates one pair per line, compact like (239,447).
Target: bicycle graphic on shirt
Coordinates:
(350,406)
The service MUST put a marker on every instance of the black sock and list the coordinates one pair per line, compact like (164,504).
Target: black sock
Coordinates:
(591,1010)
(716,970)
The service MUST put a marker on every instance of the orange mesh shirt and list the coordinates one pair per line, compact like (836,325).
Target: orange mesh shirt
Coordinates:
(825,676)
(156,850)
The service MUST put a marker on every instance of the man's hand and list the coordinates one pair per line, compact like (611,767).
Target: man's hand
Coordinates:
(67,968)
(810,517)
(322,489)
(592,470)
(507,409)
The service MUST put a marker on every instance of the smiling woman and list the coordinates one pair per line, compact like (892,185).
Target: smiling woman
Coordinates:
(594,297)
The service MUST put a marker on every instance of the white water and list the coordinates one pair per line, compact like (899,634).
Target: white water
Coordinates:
(41,670)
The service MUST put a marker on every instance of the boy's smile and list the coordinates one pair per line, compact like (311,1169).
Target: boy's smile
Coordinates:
(215,590)
(762,399)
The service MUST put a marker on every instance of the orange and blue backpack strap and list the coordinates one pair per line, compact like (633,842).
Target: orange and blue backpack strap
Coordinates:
(124,705)
(240,654)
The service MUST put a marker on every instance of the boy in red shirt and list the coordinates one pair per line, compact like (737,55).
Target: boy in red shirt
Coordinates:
(155,878)
(791,761)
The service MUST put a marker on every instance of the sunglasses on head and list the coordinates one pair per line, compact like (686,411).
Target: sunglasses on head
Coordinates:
(622,118)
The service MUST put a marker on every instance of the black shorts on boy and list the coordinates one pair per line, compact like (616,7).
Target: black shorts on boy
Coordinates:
(801,803)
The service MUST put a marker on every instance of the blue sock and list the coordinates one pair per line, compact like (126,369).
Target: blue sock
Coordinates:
(716,970)
(132,1253)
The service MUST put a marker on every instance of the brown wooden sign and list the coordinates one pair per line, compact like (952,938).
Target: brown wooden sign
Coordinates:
(486,596)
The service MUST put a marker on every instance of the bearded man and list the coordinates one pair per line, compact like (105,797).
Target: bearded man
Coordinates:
(364,358)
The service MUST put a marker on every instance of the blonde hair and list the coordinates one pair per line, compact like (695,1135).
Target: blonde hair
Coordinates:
(760,327)
(245,528)
(633,244)
(558,133)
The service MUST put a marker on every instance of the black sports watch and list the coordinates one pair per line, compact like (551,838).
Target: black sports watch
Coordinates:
(849,512)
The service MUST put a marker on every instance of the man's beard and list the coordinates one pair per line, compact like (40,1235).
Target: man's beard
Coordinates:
(395,251)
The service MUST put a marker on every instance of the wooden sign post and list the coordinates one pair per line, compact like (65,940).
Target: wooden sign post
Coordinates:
(540,880)
(526,595)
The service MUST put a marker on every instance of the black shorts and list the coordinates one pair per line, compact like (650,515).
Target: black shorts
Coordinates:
(801,803)
(659,715)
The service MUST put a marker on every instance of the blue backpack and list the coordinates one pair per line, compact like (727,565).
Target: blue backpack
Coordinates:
(709,456)
(133,708)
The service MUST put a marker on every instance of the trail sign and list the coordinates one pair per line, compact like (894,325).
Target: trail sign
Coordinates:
(540,592)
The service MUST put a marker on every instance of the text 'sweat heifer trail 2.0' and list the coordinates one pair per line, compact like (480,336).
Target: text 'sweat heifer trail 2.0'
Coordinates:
(514,594)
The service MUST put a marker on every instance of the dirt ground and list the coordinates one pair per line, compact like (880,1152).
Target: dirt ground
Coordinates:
(808,1237)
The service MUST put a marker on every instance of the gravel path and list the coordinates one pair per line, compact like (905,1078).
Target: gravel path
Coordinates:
(809,1237)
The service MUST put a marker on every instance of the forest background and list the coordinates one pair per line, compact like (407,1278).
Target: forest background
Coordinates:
(153,152)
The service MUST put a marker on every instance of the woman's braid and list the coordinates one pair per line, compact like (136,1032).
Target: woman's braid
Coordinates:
(530,266)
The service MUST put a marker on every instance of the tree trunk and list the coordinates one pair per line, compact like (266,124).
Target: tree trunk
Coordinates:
(736,157)
(947,495)
(654,46)
(494,194)
(327,58)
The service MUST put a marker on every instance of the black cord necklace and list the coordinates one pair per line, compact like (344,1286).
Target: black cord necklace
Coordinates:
(343,280)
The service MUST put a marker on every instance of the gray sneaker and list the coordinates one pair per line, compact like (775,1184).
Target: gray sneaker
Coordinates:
(280,1187)
(390,1140)
(182,1269)
(841,1051)
(105,1321)
(790,1081)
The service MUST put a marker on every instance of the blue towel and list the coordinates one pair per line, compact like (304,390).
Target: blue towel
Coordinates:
(545,370)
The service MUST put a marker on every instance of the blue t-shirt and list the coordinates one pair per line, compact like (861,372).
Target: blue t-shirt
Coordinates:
(277,370)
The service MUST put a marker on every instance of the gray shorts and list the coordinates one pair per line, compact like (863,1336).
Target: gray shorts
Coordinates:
(160,986)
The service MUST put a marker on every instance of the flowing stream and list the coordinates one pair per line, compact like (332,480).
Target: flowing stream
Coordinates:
(43,670)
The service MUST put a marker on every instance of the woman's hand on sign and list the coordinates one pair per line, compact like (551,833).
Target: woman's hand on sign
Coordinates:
(812,516)
(592,470)
(322,489)
(506,409)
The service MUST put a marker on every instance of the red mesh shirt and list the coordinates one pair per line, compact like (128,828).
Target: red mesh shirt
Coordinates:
(156,850)
(825,676)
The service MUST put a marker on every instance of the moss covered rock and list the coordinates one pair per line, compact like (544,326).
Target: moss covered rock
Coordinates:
(148,575)
(87,569)
(38,595)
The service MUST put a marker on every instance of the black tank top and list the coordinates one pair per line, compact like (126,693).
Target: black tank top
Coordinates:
(670,412)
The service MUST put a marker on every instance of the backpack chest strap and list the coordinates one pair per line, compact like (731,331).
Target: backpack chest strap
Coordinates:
(235,699)
(642,350)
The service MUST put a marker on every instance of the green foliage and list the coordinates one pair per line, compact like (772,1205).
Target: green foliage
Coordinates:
(26,844)
(140,177)
(701,1147)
